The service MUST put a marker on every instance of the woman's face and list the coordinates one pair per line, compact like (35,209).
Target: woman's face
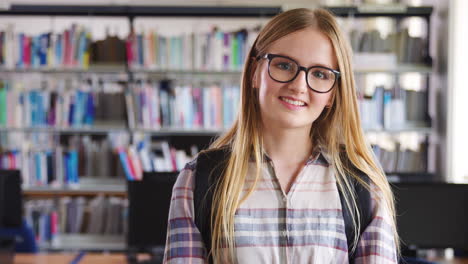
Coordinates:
(294,104)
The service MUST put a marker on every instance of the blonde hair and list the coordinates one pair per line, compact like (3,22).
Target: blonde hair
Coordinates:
(337,129)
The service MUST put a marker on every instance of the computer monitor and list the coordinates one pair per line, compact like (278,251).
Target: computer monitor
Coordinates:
(11,202)
(149,202)
(432,215)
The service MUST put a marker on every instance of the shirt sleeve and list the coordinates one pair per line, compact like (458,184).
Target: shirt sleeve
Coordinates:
(377,243)
(184,243)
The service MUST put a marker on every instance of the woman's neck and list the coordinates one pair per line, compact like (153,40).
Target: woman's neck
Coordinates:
(287,145)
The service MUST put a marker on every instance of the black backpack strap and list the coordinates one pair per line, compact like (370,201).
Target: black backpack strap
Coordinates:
(209,167)
(365,210)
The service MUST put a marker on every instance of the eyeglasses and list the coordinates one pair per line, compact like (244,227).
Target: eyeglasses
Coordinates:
(284,69)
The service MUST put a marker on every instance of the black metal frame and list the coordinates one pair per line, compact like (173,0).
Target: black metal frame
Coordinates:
(208,11)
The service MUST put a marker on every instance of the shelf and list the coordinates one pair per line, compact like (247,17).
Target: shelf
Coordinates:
(180,132)
(406,129)
(87,186)
(394,10)
(187,72)
(403,68)
(75,191)
(134,11)
(65,70)
(86,242)
(374,10)
(395,177)
(71,130)
(111,129)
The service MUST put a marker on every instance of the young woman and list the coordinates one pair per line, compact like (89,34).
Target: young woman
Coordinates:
(293,156)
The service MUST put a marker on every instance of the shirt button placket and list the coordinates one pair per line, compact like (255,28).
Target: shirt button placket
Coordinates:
(285,231)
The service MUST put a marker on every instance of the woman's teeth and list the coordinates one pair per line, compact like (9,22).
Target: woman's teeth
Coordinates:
(293,102)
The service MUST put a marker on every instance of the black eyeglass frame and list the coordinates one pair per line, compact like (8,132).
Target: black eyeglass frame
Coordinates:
(271,56)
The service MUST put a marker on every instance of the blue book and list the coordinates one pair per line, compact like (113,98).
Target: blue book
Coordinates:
(33,106)
(140,49)
(47,227)
(70,174)
(125,165)
(58,50)
(75,166)
(43,46)
(89,115)
(66,168)
(37,160)
(41,120)
(79,109)
(188,105)
(35,58)
(66,163)
(71,114)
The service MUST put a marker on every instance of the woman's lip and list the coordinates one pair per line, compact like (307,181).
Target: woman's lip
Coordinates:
(293,99)
(291,106)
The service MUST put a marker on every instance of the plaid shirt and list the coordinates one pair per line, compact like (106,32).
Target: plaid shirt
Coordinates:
(304,226)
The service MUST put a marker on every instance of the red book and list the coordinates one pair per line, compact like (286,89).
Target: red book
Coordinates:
(11,161)
(53,223)
(131,166)
(67,48)
(26,51)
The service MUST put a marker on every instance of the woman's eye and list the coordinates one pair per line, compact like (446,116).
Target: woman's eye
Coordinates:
(320,75)
(284,66)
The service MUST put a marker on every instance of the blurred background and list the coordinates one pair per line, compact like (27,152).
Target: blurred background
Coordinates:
(101,99)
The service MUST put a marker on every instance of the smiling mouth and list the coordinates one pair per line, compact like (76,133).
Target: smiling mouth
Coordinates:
(292,102)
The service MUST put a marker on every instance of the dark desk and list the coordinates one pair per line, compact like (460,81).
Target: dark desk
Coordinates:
(94,258)
(66,258)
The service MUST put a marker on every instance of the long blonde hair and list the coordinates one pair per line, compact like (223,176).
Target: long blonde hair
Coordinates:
(337,129)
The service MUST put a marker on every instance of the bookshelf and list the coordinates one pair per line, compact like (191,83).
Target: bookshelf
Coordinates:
(180,137)
(89,243)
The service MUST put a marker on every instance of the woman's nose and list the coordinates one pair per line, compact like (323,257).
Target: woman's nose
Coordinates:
(299,84)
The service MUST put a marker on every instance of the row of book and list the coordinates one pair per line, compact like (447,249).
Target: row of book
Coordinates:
(56,106)
(60,164)
(386,109)
(76,215)
(69,48)
(401,160)
(74,47)
(153,105)
(147,104)
(43,167)
(216,50)
(107,159)
(407,49)
(156,156)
